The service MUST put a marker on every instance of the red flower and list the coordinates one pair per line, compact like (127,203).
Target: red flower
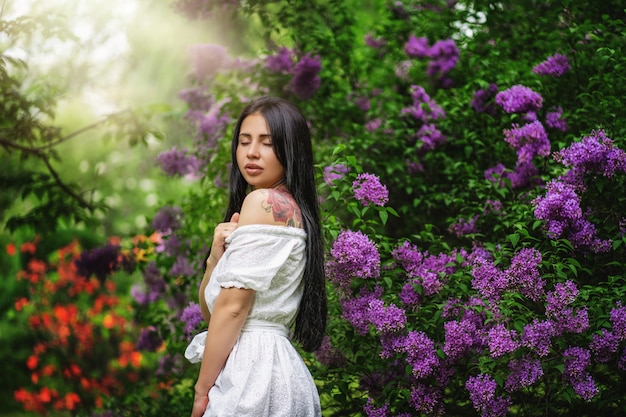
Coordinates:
(32,362)
(11,249)
(28,247)
(21,303)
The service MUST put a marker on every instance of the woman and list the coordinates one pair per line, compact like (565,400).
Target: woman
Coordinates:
(264,273)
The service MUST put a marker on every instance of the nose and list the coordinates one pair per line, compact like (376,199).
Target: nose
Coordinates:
(253,150)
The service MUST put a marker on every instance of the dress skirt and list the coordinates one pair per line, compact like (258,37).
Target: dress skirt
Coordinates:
(264,376)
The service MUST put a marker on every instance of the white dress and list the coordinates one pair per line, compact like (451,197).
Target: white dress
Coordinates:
(264,375)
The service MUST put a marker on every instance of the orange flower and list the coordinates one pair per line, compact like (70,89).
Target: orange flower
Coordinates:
(11,249)
(71,399)
(28,247)
(32,362)
(108,322)
(45,395)
(21,303)
(156,238)
(36,266)
(135,359)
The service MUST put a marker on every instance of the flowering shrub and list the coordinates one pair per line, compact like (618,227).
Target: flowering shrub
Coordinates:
(84,349)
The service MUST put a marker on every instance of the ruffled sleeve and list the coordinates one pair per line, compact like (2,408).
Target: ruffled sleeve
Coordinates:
(255,254)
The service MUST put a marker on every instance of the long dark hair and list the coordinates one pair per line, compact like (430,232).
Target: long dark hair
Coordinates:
(291,141)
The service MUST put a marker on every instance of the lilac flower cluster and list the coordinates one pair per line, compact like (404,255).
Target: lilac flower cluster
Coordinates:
(175,162)
(207,60)
(594,154)
(522,275)
(501,340)
(430,137)
(100,261)
(372,411)
(417,47)
(555,66)
(368,309)
(423,108)
(519,99)
(604,345)
(282,62)
(538,335)
(576,360)
(483,99)
(209,125)
(375,43)
(353,255)
(560,209)
(149,339)
(334,172)
(523,373)
(421,354)
(618,320)
(560,311)
(426,399)
(427,269)
(461,336)
(368,190)
(182,267)
(153,285)
(555,120)
(444,55)
(464,226)
(192,317)
(482,393)
(529,140)
(306,79)
(373,124)
(168,219)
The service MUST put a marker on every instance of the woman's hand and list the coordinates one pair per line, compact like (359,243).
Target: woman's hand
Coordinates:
(220,234)
(200,403)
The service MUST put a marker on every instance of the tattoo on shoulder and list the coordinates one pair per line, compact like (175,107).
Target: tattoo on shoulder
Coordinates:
(283,207)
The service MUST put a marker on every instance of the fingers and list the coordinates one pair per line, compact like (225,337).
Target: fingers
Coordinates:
(234,218)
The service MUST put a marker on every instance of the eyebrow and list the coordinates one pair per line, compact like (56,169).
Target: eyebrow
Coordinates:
(263,136)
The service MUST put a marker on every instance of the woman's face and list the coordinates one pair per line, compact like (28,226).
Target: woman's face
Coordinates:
(255,155)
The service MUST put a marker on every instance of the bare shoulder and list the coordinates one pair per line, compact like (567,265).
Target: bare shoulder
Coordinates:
(270,206)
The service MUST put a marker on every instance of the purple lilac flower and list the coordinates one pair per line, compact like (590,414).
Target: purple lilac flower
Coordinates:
(427,268)
(594,154)
(182,267)
(495,173)
(523,373)
(207,60)
(391,344)
(529,140)
(576,360)
(423,108)
(372,411)
(426,399)
(100,262)
(416,47)
(524,174)
(604,345)
(373,124)
(523,274)
(306,79)
(538,335)
(149,339)
(622,361)
(421,354)
(197,99)
(402,69)
(488,280)
(501,341)
(409,294)
(430,137)
(281,62)
(386,319)
(176,162)
(374,43)
(561,210)
(170,365)
(555,65)
(460,337)
(334,172)
(153,281)
(483,100)
(555,120)
(353,255)
(464,226)
(618,319)
(192,317)
(139,294)
(356,310)
(171,245)
(444,55)
(363,103)
(482,392)
(328,355)
(368,190)
(168,219)
(519,99)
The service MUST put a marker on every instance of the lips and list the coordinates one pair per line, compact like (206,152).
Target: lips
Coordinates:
(253,169)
